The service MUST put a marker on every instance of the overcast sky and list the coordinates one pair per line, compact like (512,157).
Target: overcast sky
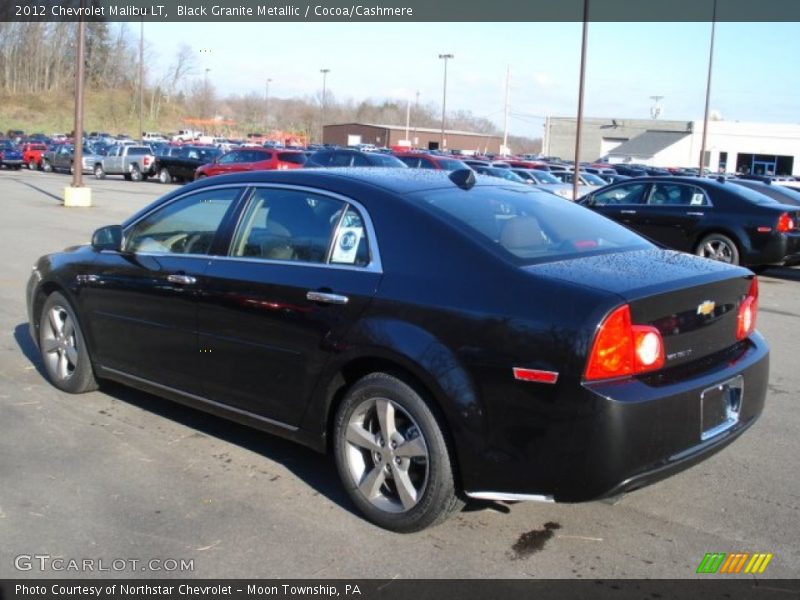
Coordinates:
(756,74)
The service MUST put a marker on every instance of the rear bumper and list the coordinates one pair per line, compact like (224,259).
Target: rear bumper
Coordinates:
(607,438)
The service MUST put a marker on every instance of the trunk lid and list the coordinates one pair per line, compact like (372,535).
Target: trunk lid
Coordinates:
(692,301)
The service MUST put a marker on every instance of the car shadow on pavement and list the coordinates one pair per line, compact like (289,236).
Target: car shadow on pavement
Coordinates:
(786,273)
(23,338)
(317,470)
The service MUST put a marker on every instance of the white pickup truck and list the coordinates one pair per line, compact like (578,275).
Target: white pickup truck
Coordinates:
(133,162)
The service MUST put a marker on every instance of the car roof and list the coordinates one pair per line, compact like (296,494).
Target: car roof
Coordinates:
(392,179)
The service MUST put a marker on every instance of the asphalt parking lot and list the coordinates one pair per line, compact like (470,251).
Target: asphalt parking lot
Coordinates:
(120,474)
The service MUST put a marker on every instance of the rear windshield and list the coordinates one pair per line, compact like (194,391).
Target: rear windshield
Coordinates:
(545,177)
(530,226)
(384,160)
(297,158)
(450,164)
(138,150)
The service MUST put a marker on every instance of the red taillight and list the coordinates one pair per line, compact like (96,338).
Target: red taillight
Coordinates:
(622,349)
(785,223)
(146,161)
(748,309)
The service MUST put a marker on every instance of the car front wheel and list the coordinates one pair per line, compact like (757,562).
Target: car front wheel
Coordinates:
(164,176)
(718,247)
(46,166)
(136,174)
(99,173)
(392,455)
(63,347)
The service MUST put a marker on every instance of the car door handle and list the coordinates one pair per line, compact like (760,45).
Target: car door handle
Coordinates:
(326,297)
(628,212)
(695,214)
(181,279)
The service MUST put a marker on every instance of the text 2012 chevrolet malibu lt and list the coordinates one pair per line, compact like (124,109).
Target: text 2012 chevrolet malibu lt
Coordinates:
(443,337)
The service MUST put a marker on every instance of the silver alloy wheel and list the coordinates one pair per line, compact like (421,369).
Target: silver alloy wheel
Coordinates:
(163,176)
(59,343)
(387,455)
(717,249)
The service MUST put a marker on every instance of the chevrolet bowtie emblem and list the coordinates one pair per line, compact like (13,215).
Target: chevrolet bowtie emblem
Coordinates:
(706,308)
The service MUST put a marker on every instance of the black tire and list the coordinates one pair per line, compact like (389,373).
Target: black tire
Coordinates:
(433,498)
(64,352)
(164,176)
(46,166)
(126,176)
(71,168)
(32,165)
(136,173)
(717,246)
(99,172)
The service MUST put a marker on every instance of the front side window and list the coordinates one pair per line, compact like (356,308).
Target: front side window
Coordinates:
(229,159)
(186,226)
(623,194)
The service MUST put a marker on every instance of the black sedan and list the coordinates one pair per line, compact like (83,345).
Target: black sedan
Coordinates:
(443,337)
(711,218)
(341,157)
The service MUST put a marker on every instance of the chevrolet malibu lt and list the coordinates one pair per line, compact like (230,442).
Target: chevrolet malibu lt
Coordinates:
(444,336)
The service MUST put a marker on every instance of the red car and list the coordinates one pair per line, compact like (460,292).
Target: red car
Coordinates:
(32,155)
(420,160)
(252,159)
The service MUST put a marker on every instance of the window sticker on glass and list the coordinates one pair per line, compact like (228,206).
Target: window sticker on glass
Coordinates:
(345,249)
(698,199)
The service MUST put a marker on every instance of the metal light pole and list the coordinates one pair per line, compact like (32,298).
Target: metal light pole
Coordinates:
(324,97)
(416,118)
(77,157)
(141,80)
(708,89)
(206,94)
(579,124)
(445,58)
(266,104)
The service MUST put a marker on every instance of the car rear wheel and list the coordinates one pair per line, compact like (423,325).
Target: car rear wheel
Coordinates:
(164,176)
(718,247)
(46,166)
(99,173)
(32,165)
(392,455)
(63,347)
(136,174)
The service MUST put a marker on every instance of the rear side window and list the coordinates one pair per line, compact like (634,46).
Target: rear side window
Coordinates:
(287,225)
(530,226)
(297,158)
(676,194)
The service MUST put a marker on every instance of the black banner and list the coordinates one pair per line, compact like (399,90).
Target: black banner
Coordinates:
(393,589)
(396,10)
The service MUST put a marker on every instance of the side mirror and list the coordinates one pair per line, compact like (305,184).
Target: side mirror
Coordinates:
(108,238)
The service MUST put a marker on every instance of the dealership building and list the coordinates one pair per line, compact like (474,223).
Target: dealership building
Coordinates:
(351,134)
(731,146)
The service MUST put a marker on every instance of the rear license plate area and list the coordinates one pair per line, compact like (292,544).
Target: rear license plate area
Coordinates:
(720,406)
